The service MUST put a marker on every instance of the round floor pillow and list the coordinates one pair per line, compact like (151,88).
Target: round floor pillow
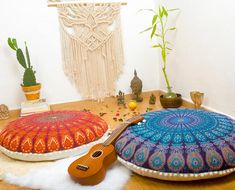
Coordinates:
(51,135)
(179,145)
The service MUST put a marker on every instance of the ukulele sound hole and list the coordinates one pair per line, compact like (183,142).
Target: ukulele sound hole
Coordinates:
(96,154)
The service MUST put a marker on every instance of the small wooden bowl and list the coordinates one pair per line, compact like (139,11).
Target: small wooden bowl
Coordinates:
(171,102)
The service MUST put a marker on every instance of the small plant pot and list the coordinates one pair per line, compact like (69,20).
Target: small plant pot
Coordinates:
(32,92)
(171,102)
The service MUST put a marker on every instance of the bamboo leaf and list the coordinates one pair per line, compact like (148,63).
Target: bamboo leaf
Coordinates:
(160,12)
(170,10)
(146,30)
(157,46)
(20,58)
(174,28)
(164,11)
(27,55)
(15,43)
(151,10)
(11,44)
(153,31)
(154,19)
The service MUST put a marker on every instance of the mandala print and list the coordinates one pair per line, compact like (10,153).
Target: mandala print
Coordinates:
(195,161)
(52,131)
(157,160)
(141,155)
(181,141)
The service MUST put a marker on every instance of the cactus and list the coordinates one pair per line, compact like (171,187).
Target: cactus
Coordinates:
(29,78)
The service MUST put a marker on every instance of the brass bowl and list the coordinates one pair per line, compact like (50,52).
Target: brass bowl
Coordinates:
(171,102)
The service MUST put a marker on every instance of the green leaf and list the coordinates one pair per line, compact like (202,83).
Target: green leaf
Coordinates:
(146,30)
(169,49)
(151,10)
(154,19)
(15,43)
(160,12)
(174,28)
(153,31)
(164,11)
(20,58)
(157,46)
(170,10)
(11,44)
(27,55)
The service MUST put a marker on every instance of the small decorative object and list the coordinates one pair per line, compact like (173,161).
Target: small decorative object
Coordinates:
(91,41)
(121,98)
(171,102)
(148,109)
(30,86)
(32,107)
(52,135)
(4,112)
(159,31)
(152,99)
(136,86)
(197,98)
(132,105)
(179,145)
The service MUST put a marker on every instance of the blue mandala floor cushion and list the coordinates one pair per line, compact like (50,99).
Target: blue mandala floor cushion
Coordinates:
(179,145)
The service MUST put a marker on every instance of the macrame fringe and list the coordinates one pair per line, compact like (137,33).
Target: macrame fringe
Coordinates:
(92,68)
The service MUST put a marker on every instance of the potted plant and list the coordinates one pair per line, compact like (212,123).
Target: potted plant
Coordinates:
(159,31)
(30,86)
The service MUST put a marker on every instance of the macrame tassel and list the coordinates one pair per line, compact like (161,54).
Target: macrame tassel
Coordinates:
(92,49)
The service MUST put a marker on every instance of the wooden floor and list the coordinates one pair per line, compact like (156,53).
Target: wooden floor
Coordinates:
(113,112)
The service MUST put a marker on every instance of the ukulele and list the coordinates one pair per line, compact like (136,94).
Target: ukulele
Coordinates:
(91,168)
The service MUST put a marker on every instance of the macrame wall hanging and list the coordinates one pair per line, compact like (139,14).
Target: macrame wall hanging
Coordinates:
(92,49)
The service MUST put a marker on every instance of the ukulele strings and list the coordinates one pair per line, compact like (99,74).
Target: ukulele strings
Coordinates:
(103,144)
(118,129)
(113,134)
(106,141)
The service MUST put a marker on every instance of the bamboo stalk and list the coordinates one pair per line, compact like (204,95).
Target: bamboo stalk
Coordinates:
(54,4)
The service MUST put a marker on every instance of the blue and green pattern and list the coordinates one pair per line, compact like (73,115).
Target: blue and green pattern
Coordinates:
(180,141)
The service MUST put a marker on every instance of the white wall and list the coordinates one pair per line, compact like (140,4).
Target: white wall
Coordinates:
(34,22)
(204,53)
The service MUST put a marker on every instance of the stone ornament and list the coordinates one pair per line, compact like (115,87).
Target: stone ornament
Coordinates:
(136,86)
(152,99)
(4,112)
(121,98)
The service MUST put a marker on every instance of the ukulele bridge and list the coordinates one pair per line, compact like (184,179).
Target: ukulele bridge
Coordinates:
(82,167)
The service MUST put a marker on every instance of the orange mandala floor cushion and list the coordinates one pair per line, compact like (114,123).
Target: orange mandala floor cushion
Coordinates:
(51,135)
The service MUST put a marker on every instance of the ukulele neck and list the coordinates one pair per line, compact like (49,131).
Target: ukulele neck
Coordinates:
(115,133)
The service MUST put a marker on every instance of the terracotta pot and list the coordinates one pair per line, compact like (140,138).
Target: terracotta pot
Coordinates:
(32,92)
(171,102)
